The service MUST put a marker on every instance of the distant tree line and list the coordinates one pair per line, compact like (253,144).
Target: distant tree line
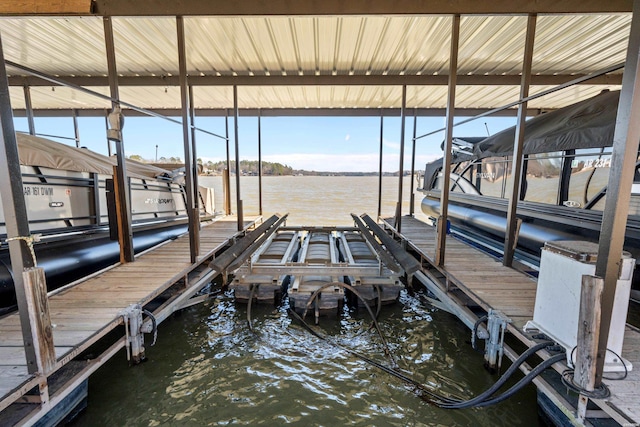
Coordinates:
(250,167)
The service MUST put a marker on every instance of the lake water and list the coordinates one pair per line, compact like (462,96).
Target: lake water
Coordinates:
(209,368)
(316,200)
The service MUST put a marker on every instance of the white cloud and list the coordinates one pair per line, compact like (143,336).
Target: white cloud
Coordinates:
(391,144)
(348,137)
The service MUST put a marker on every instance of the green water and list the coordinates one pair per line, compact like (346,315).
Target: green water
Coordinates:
(209,368)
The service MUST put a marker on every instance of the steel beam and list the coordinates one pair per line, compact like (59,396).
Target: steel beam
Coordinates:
(236,114)
(194,150)
(446,161)
(106,127)
(380,164)
(76,129)
(194,241)
(288,112)
(398,222)
(259,164)
(413,163)
(228,188)
(112,99)
(15,213)
(545,92)
(304,269)
(126,233)
(351,7)
(317,80)
(616,209)
(511,237)
(29,110)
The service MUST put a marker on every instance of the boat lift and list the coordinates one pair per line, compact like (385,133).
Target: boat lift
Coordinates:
(312,265)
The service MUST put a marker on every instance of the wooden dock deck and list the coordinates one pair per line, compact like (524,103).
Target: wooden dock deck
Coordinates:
(486,282)
(85,312)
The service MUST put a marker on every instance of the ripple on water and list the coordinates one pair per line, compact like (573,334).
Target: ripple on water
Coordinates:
(209,368)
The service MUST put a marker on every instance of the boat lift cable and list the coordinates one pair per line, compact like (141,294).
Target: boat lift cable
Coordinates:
(531,97)
(317,292)
(445,402)
(64,83)
(253,289)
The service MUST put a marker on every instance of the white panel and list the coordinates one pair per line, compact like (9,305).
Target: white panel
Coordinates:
(63,46)
(146,46)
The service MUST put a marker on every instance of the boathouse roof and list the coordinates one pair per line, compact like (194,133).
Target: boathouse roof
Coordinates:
(313,57)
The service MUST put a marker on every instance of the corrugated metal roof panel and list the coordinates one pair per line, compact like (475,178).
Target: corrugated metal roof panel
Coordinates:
(146,46)
(59,46)
(580,44)
(341,45)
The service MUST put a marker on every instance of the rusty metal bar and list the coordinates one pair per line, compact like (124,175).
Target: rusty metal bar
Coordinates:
(446,161)
(517,159)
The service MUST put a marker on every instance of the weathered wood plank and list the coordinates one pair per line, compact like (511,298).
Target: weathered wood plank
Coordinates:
(35,289)
(40,7)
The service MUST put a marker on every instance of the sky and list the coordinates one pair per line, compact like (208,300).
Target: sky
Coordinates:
(334,144)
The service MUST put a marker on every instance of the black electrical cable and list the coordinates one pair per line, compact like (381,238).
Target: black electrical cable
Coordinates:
(433,398)
(524,381)
(447,402)
(508,373)
(315,294)
(624,365)
(474,331)
(601,392)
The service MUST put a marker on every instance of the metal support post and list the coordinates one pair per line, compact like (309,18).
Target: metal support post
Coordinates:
(446,160)
(511,234)
(398,222)
(227,188)
(194,151)
(259,163)
(106,126)
(76,129)
(236,113)
(623,163)
(115,121)
(413,161)
(15,213)
(494,346)
(192,212)
(29,109)
(380,164)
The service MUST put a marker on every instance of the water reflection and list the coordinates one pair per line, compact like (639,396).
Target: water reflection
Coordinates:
(208,368)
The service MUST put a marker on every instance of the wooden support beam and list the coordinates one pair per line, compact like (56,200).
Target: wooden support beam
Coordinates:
(45,7)
(35,288)
(125,236)
(587,337)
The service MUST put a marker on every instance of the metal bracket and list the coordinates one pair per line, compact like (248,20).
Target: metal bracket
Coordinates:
(132,316)
(494,347)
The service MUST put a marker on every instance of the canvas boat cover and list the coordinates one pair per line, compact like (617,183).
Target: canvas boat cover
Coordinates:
(586,124)
(37,151)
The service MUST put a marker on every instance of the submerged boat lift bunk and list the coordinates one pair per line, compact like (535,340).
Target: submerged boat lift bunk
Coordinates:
(316,268)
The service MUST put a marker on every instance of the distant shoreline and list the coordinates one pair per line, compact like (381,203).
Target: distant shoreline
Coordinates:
(314,173)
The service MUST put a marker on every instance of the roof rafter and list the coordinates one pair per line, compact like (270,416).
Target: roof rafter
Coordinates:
(354,7)
(278,112)
(310,7)
(297,80)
